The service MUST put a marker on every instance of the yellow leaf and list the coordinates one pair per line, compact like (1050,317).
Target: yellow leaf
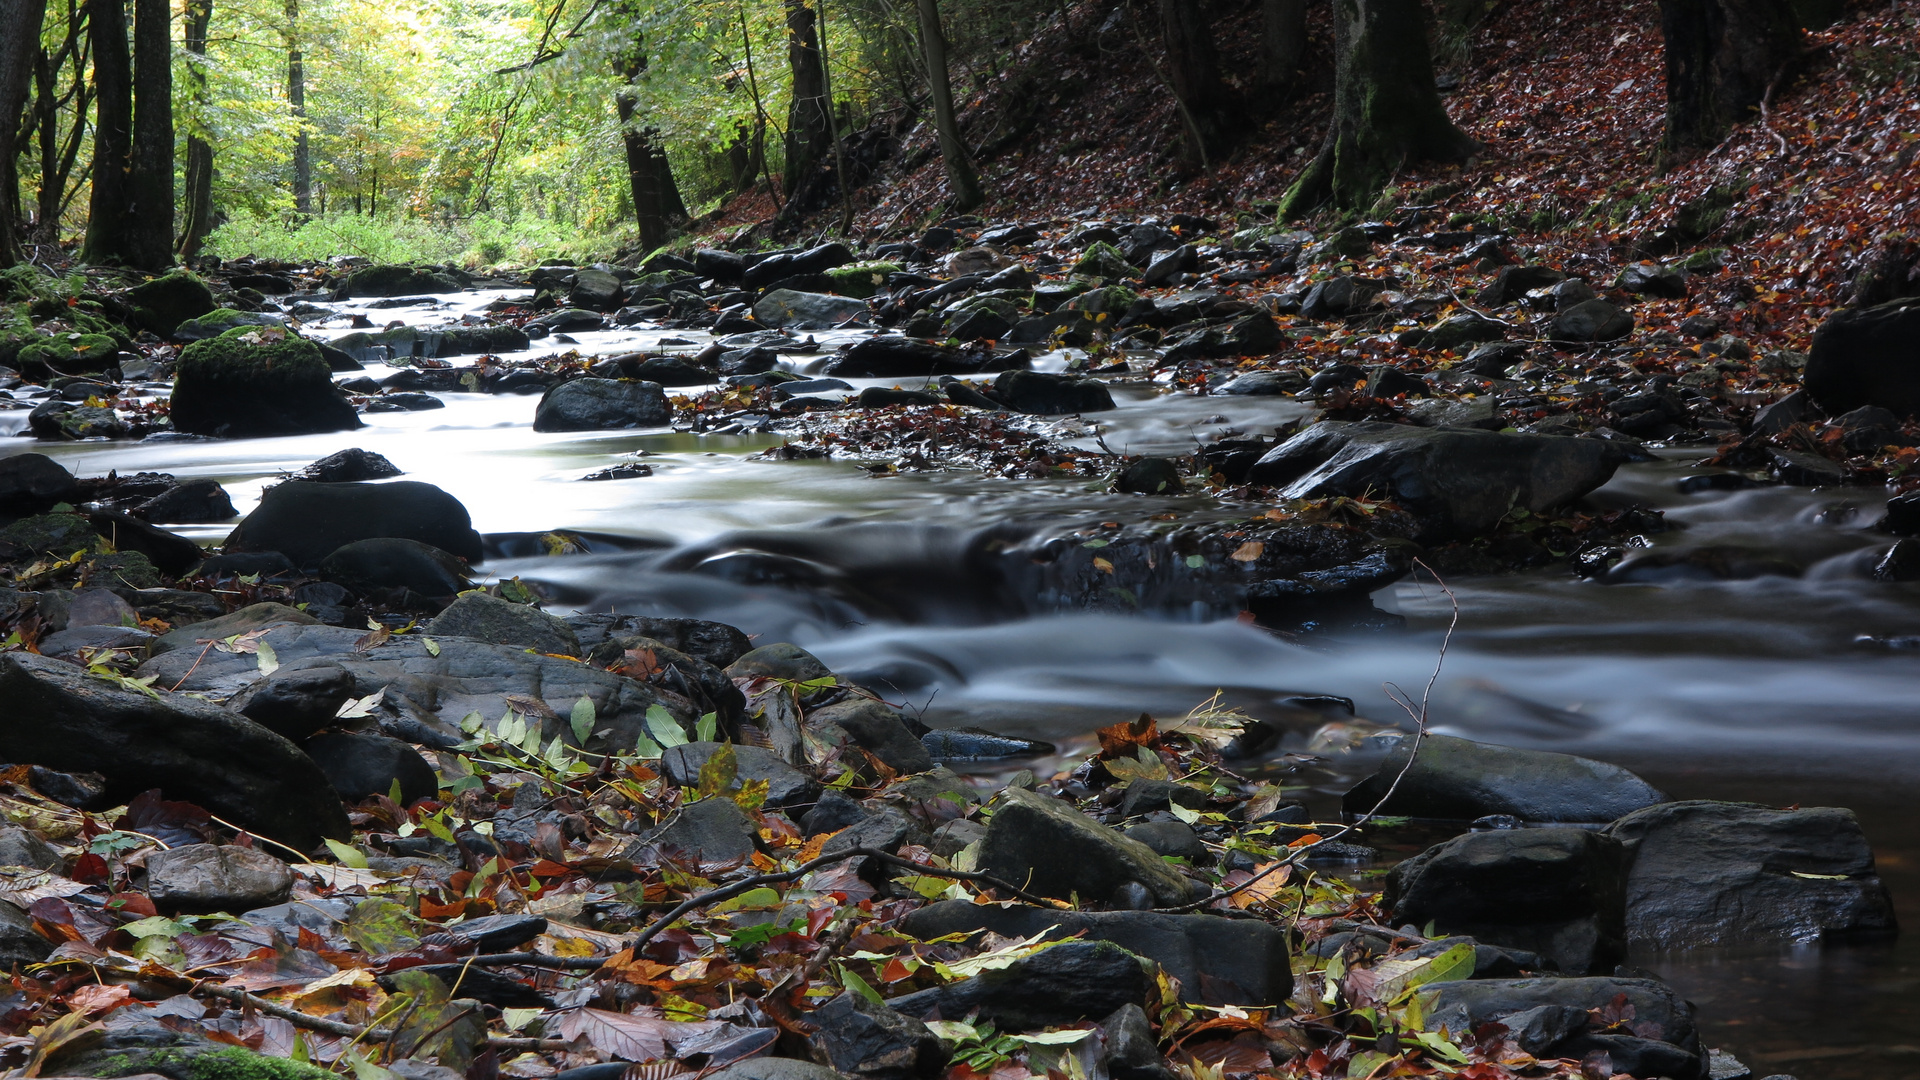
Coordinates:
(1248,551)
(1103,564)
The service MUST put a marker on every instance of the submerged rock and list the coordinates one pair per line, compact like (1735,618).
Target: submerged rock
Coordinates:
(602,405)
(1461,780)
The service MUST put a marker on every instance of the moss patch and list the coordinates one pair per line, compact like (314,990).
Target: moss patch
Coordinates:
(164,303)
(69,352)
(246,355)
(861,279)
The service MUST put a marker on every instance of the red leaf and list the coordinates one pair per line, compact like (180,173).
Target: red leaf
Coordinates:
(629,1037)
(91,869)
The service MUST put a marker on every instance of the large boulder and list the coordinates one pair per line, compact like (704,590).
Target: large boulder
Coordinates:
(307,521)
(1461,780)
(484,617)
(165,302)
(602,405)
(1665,1040)
(890,356)
(396,281)
(806,310)
(1555,892)
(777,268)
(257,383)
(360,765)
(1715,873)
(1867,356)
(1071,981)
(1047,847)
(435,682)
(1459,483)
(1217,961)
(57,715)
(31,483)
(1040,393)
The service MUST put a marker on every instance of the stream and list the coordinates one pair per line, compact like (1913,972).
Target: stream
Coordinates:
(1748,689)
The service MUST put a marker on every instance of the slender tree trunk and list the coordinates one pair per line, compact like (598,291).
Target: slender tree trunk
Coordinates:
(1722,56)
(1386,111)
(1283,42)
(297,108)
(657,206)
(961,178)
(1193,67)
(199,194)
(17,51)
(152,181)
(108,210)
(809,126)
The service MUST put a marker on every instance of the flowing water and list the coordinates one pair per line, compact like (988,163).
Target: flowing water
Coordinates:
(1751,689)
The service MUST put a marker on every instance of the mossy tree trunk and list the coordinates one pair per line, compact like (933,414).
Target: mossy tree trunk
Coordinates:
(198,198)
(112,131)
(1193,69)
(657,206)
(1722,57)
(962,181)
(1386,111)
(17,49)
(809,125)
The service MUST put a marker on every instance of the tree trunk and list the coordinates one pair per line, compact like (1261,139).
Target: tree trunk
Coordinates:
(57,155)
(809,127)
(17,51)
(657,206)
(1283,42)
(110,205)
(199,194)
(1722,56)
(961,178)
(1386,111)
(151,246)
(1194,70)
(297,108)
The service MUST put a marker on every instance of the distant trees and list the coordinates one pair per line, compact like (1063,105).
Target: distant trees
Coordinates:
(196,203)
(17,48)
(962,180)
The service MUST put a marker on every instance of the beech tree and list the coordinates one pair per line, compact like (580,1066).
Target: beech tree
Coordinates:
(197,200)
(1386,111)
(1722,57)
(17,49)
(961,178)
(809,123)
(297,106)
(1193,69)
(130,218)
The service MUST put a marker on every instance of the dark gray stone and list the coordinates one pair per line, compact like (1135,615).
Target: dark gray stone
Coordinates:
(296,703)
(347,467)
(1039,393)
(308,521)
(1049,848)
(56,715)
(1133,1053)
(361,765)
(1559,893)
(1146,796)
(878,729)
(974,744)
(806,310)
(483,617)
(1460,483)
(23,847)
(1658,1013)
(1075,980)
(781,660)
(32,483)
(394,563)
(716,643)
(1150,476)
(1652,279)
(1591,321)
(1513,283)
(712,830)
(861,1039)
(602,405)
(1171,838)
(787,787)
(775,1068)
(1867,356)
(1715,873)
(1218,961)
(20,945)
(216,877)
(193,502)
(1461,780)
(834,811)
(251,617)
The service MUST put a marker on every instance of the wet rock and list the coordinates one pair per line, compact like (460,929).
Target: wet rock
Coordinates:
(1460,483)
(1650,415)
(47,534)
(975,744)
(23,847)
(216,877)
(294,704)
(165,302)
(1494,360)
(778,267)
(1132,1051)
(53,714)
(396,281)
(1335,297)
(167,552)
(192,503)
(1218,961)
(20,945)
(797,310)
(716,643)
(712,830)
(833,812)
(1387,381)
(1145,796)
(1171,264)
(1868,356)
(566,320)
(1590,321)
(307,521)
(787,787)
(1460,780)
(1803,468)
(878,729)
(1057,851)
(393,563)
(885,830)
(489,618)
(1075,980)
(1659,1014)
(889,356)
(1171,839)
(1652,279)
(1513,283)
(251,617)
(595,290)
(1456,333)
(722,266)
(1903,515)
(32,483)
(348,466)
(665,370)
(1795,408)
(1150,476)
(99,607)
(1042,394)
(781,660)
(1714,873)
(215,323)
(1266,383)
(359,765)
(231,388)
(775,1068)
(881,397)
(1555,892)
(1441,412)
(872,1042)
(602,405)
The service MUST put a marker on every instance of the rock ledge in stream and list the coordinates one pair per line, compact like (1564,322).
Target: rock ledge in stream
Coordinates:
(1461,780)
(1048,847)
(306,521)
(54,714)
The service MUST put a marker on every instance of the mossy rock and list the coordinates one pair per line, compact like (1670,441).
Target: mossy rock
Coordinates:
(177,1055)
(215,323)
(251,381)
(58,533)
(1102,260)
(861,279)
(165,302)
(68,354)
(71,421)
(1111,300)
(397,281)
(25,282)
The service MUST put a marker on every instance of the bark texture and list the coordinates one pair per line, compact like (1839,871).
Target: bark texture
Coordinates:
(1722,55)
(18,47)
(109,209)
(197,200)
(809,126)
(1193,68)
(1283,42)
(1386,111)
(962,180)
(657,205)
(297,107)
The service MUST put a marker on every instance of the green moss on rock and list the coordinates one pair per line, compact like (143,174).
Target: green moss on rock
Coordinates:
(131,569)
(69,353)
(58,533)
(1111,300)
(257,381)
(861,279)
(215,323)
(165,302)
(397,281)
(235,1063)
(1102,260)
